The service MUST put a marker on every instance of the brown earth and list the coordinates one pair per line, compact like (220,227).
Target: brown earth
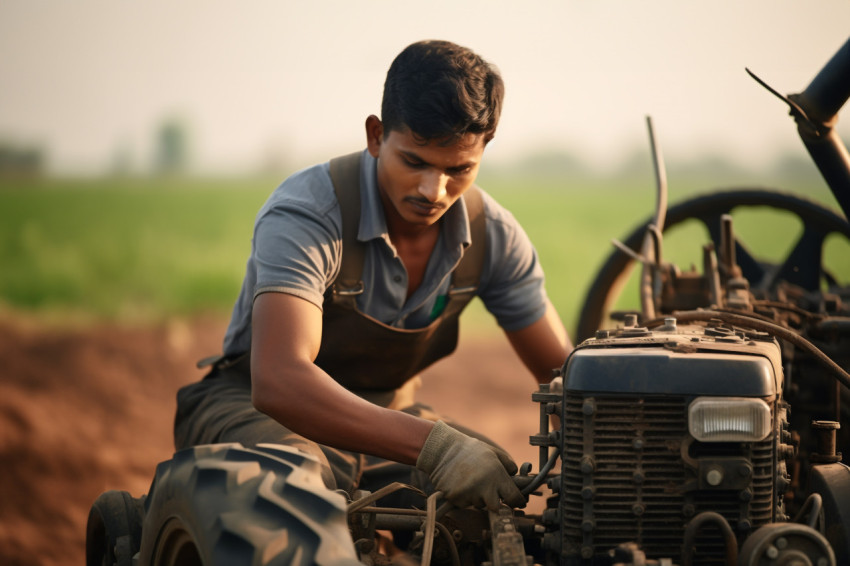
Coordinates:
(89,408)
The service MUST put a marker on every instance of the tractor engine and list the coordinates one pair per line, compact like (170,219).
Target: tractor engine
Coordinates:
(675,443)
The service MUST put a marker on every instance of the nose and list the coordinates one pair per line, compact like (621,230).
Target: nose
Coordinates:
(432,185)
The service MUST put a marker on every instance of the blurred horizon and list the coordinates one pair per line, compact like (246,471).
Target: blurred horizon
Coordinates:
(204,89)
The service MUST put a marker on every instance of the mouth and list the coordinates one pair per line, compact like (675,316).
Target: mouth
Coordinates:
(425,207)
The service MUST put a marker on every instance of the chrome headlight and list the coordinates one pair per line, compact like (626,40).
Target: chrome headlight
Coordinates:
(729,419)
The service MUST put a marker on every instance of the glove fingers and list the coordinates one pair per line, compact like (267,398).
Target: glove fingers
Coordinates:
(507,461)
(511,494)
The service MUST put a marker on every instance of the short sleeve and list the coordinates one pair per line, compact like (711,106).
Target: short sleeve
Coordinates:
(512,286)
(297,241)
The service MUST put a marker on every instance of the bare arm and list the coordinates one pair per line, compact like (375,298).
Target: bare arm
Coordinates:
(543,346)
(290,388)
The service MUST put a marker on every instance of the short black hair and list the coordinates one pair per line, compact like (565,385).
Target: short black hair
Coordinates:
(442,91)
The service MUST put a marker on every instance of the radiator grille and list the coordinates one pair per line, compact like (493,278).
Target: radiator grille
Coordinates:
(643,490)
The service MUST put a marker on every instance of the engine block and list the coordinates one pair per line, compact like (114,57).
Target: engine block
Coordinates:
(631,469)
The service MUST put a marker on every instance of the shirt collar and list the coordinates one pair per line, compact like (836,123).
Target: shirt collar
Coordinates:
(373,224)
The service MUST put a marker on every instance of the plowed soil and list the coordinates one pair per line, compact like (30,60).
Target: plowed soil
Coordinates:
(89,408)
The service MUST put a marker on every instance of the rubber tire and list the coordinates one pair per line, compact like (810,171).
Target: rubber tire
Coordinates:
(113,530)
(226,505)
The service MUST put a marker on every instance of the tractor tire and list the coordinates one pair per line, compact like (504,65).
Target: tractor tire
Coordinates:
(227,505)
(114,529)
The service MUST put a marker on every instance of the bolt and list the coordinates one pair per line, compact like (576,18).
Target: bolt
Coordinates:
(587,493)
(457,535)
(638,509)
(588,525)
(714,476)
(823,561)
(588,407)
(551,516)
(637,443)
(744,471)
(586,552)
(781,543)
(744,525)
(638,477)
(746,494)
(688,510)
(587,464)
(602,334)
(552,541)
(771,552)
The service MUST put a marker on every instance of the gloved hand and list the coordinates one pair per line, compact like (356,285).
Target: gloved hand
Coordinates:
(467,470)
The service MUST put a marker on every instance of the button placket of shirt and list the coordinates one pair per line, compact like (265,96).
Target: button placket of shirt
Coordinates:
(395,281)
(425,296)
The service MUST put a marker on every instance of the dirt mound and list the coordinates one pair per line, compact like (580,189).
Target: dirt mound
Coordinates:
(85,410)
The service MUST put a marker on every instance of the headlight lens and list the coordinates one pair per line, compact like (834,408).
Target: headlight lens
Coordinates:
(729,419)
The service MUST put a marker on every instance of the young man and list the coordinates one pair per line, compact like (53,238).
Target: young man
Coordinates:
(341,308)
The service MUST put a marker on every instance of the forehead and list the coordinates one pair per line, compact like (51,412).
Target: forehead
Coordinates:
(468,148)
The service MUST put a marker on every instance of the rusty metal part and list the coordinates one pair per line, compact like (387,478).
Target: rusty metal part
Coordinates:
(802,267)
(826,451)
(507,544)
(694,527)
(786,543)
(815,110)
(780,332)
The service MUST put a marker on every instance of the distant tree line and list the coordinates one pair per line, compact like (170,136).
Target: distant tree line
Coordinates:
(21,161)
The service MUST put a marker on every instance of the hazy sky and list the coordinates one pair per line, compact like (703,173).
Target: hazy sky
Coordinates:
(257,79)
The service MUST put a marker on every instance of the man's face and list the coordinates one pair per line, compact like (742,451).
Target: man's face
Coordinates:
(418,183)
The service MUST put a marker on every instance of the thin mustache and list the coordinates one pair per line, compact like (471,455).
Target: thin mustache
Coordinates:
(425,202)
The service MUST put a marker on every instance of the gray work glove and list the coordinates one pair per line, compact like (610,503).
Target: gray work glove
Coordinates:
(468,471)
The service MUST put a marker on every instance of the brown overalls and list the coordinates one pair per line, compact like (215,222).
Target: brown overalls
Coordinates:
(378,362)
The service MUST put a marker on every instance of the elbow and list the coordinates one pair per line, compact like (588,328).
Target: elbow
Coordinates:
(270,396)
(261,396)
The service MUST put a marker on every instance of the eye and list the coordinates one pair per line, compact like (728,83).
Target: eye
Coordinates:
(412,163)
(459,171)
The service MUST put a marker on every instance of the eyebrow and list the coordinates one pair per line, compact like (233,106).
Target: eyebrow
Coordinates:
(415,157)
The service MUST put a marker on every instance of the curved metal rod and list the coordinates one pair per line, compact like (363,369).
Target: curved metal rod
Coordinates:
(430,527)
(452,546)
(691,534)
(815,502)
(541,475)
(660,177)
(358,505)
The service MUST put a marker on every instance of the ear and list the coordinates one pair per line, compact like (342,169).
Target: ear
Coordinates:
(374,134)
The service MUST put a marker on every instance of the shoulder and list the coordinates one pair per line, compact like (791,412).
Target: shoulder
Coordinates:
(499,219)
(309,189)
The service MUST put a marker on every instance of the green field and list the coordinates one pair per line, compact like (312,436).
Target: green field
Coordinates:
(145,249)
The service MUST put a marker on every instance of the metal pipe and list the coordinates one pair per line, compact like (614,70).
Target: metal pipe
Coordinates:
(820,103)
(691,534)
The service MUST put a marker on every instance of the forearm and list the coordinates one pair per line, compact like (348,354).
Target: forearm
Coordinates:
(327,413)
(543,346)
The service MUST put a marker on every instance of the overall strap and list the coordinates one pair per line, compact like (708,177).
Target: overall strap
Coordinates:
(345,175)
(467,275)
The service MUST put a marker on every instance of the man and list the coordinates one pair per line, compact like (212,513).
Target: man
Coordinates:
(341,308)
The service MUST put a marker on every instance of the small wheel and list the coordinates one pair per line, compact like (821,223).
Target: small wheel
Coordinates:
(227,505)
(114,529)
(802,267)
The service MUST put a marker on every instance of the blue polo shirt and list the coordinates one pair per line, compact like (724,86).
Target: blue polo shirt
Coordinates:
(297,244)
